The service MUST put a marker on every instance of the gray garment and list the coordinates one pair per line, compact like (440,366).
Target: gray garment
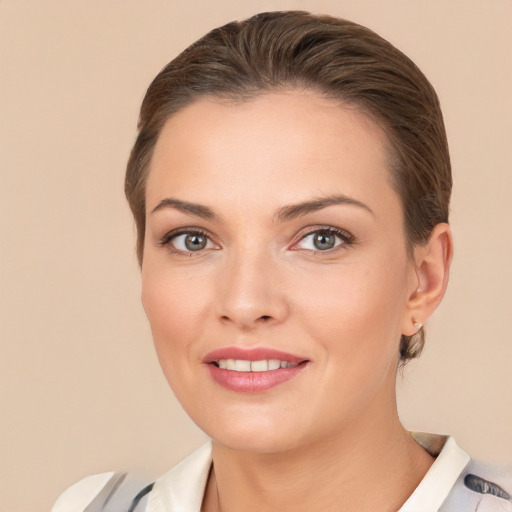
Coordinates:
(480,488)
(454,483)
(119,493)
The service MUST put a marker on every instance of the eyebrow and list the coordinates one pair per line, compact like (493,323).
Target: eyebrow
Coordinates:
(186,207)
(293,211)
(283,214)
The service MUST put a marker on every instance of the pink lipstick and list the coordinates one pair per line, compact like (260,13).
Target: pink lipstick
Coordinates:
(252,370)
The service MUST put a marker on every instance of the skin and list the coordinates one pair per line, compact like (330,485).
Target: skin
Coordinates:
(330,438)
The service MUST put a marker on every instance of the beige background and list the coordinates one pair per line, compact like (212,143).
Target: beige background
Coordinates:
(80,387)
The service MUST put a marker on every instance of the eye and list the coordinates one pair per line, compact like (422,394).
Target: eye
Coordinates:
(325,239)
(187,241)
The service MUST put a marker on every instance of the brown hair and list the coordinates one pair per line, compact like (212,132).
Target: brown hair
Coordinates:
(337,58)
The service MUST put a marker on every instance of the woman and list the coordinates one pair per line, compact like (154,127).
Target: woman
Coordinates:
(290,184)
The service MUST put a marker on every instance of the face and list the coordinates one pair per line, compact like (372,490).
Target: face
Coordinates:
(275,271)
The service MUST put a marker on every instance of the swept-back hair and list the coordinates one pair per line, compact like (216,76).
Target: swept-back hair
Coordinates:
(337,59)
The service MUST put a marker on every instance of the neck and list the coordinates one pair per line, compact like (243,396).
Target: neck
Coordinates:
(373,465)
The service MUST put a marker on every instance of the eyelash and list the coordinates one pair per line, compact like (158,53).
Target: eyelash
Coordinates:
(346,238)
(167,239)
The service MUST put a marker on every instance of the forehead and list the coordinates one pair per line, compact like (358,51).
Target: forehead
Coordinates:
(277,145)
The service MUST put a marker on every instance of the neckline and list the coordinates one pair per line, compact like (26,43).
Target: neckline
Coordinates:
(183,487)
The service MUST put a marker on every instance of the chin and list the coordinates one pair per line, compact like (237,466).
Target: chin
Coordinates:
(256,442)
(253,434)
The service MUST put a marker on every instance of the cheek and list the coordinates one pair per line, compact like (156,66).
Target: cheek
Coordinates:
(354,317)
(355,312)
(176,309)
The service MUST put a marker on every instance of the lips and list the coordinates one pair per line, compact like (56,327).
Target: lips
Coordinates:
(251,354)
(252,370)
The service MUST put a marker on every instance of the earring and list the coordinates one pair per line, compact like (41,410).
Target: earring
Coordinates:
(417,325)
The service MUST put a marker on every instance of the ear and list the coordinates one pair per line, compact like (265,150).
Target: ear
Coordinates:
(428,285)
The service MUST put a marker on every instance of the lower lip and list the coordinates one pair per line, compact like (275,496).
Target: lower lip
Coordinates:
(253,382)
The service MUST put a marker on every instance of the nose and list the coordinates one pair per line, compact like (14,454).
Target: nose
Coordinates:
(250,291)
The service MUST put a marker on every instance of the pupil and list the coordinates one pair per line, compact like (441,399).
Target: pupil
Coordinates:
(195,242)
(324,241)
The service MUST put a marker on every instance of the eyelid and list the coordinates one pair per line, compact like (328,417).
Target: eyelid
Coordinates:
(166,240)
(346,238)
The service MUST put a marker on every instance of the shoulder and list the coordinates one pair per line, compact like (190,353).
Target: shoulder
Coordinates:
(104,492)
(481,487)
(455,482)
(181,488)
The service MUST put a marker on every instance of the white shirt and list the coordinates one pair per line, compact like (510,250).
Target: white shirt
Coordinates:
(182,488)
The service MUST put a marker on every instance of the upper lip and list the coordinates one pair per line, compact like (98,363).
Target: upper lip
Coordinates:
(251,354)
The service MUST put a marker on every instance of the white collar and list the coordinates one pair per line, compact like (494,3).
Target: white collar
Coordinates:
(182,488)
(442,475)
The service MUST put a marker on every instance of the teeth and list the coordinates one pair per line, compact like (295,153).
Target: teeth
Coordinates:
(274,364)
(259,366)
(241,365)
